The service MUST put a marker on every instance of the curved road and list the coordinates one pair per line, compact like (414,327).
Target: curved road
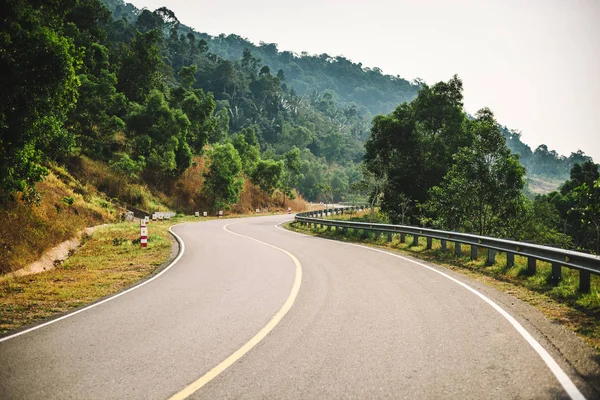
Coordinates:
(363,324)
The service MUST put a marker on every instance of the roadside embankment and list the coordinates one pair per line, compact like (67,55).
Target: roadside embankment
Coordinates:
(108,261)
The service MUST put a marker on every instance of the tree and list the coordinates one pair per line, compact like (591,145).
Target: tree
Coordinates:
(198,107)
(339,186)
(95,116)
(587,199)
(139,66)
(223,182)
(482,190)
(374,181)
(404,206)
(578,204)
(39,87)
(414,145)
(247,147)
(292,165)
(159,134)
(267,175)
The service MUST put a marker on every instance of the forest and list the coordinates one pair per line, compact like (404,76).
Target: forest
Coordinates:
(201,119)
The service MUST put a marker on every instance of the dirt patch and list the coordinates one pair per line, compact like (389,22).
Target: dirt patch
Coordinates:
(55,256)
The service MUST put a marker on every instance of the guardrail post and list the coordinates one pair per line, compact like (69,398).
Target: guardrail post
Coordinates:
(415,240)
(443,244)
(474,252)
(345,230)
(531,265)
(429,242)
(457,249)
(402,237)
(556,273)
(377,235)
(491,257)
(510,260)
(389,236)
(328,227)
(584,281)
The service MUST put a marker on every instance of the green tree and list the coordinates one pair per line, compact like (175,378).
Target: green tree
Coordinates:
(247,147)
(587,199)
(578,207)
(292,166)
(160,135)
(39,87)
(223,181)
(140,65)
(482,190)
(267,175)
(95,118)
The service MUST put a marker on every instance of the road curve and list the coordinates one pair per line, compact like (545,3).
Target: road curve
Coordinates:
(363,324)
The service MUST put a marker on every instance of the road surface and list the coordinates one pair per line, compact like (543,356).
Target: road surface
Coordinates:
(285,316)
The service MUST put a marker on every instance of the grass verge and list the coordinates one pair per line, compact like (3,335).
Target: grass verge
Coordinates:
(562,303)
(108,261)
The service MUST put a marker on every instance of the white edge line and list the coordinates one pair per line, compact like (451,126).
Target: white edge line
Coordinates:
(139,285)
(560,375)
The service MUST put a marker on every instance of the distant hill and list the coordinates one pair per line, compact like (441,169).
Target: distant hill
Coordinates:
(545,164)
(349,82)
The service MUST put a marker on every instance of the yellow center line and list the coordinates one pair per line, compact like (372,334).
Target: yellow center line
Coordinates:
(213,373)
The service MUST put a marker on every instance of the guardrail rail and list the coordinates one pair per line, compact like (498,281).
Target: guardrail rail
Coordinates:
(586,264)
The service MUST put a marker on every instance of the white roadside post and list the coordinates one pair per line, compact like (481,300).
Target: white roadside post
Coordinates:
(146,219)
(289,210)
(257,210)
(205,214)
(220,214)
(143,233)
(153,217)
(196,214)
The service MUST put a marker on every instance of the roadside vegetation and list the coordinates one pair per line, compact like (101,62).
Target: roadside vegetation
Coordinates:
(107,261)
(562,303)
(66,207)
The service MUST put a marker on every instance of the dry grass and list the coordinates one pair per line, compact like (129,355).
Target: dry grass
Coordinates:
(186,193)
(106,262)
(99,175)
(65,208)
(562,303)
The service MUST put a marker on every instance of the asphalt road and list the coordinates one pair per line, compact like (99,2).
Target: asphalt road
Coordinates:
(363,324)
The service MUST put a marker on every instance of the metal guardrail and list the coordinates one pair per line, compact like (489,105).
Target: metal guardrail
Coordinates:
(586,264)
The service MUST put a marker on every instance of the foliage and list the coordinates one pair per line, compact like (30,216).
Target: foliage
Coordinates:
(481,191)
(39,87)
(267,175)
(578,206)
(414,145)
(223,179)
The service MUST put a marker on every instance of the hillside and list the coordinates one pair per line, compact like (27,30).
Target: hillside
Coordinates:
(309,75)
(368,91)
(146,112)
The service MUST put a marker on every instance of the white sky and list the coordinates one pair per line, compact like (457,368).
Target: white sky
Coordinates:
(535,63)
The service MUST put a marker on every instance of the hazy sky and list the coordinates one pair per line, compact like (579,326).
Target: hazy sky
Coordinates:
(535,63)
